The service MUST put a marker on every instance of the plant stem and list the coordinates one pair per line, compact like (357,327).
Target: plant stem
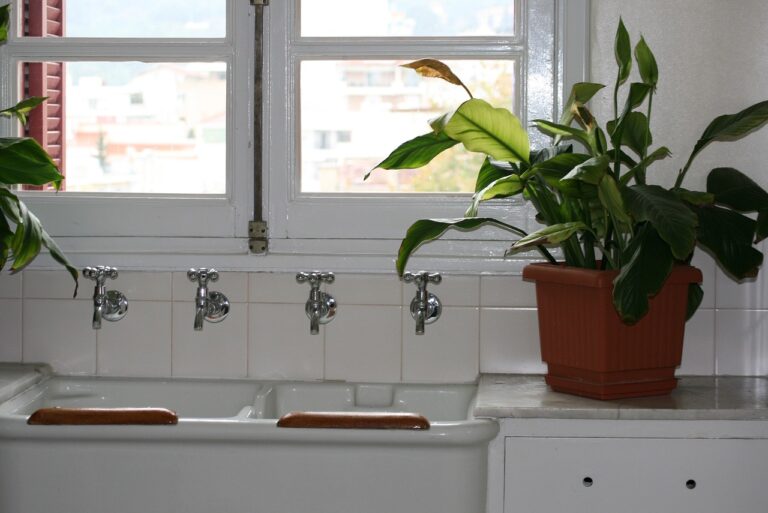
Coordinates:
(640,175)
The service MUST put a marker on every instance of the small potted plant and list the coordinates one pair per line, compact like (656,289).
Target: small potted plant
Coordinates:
(612,313)
(24,162)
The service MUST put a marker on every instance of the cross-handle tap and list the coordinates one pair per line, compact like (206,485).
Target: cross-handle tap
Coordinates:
(210,306)
(110,305)
(425,307)
(321,306)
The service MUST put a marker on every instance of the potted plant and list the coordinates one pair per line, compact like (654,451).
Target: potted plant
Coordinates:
(24,162)
(625,243)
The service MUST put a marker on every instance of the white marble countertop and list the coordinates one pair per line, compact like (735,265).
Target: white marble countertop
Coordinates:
(695,398)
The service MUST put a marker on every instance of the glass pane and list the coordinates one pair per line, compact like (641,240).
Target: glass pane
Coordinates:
(120,18)
(134,127)
(354,113)
(384,18)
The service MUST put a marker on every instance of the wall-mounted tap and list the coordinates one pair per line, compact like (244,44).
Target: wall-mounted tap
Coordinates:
(210,306)
(110,305)
(425,307)
(320,307)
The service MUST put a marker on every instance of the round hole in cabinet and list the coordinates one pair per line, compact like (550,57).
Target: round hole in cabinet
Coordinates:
(690,484)
(587,481)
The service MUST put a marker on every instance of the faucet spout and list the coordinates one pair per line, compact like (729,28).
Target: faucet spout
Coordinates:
(98,310)
(110,305)
(425,306)
(321,306)
(210,306)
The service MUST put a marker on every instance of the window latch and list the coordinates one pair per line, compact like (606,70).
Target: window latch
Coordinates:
(257,237)
(259,2)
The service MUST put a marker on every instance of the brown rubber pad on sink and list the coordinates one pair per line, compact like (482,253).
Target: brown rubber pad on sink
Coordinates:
(352,420)
(102,416)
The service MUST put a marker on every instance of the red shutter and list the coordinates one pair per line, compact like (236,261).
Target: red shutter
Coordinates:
(45,18)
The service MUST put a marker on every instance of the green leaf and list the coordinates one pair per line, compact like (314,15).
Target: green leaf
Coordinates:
(24,161)
(21,109)
(590,171)
(694,197)
(636,96)
(728,236)
(623,50)
(675,222)
(642,276)
(502,188)
(581,93)
(5,20)
(610,198)
(556,167)
(761,230)
(484,129)
(488,174)
(426,230)
(635,133)
(28,240)
(554,234)
(731,127)
(695,295)
(646,63)
(734,189)
(59,256)
(658,154)
(562,131)
(415,153)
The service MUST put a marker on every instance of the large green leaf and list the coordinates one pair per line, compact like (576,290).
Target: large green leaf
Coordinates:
(642,276)
(635,133)
(502,188)
(638,91)
(646,63)
(728,127)
(623,51)
(24,161)
(728,236)
(694,197)
(417,152)
(488,174)
(554,234)
(590,171)
(426,230)
(675,222)
(484,129)
(556,167)
(734,189)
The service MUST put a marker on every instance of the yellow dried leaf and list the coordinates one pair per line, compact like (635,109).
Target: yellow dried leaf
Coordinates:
(435,69)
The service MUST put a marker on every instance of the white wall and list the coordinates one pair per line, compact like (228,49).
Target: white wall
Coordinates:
(713,58)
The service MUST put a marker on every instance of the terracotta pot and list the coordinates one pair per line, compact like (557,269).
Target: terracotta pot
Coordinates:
(589,351)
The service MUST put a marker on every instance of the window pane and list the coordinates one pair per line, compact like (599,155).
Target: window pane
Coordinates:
(134,127)
(120,18)
(383,18)
(354,113)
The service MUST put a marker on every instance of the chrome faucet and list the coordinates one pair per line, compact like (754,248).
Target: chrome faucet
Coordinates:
(210,306)
(110,305)
(425,307)
(321,306)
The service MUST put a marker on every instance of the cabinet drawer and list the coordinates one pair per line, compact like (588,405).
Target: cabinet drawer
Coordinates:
(610,475)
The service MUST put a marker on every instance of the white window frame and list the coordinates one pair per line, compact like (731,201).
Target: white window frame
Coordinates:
(550,43)
(104,223)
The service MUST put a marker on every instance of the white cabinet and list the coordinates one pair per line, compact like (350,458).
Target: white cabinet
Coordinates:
(635,475)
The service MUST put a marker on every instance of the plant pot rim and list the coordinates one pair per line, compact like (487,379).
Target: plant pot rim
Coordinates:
(568,275)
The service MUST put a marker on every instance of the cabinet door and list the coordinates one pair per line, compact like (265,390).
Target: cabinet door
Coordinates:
(611,475)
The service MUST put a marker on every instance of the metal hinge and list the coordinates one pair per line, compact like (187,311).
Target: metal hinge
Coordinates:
(259,2)
(257,237)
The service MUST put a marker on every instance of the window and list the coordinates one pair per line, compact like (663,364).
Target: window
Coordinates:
(350,103)
(157,133)
(147,115)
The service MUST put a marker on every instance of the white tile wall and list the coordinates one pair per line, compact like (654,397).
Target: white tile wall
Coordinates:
(489,325)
